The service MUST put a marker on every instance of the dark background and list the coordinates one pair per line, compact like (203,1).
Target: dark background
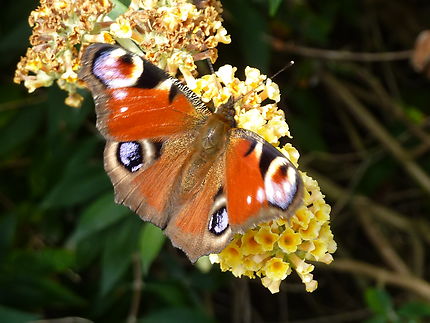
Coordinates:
(361,124)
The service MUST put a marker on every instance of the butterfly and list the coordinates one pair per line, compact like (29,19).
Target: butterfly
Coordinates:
(177,163)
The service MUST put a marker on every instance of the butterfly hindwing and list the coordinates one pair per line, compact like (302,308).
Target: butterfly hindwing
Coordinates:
(201,226)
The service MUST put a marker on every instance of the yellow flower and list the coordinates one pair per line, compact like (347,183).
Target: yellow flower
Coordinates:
(312,231)
(271,285)
(289,240)
(320,249)
(251,120)
(230,255)
(266,238)
(121,28)
(249,245)
(74,100)
(302,218)
(289,150)
(277,269)
(252,263)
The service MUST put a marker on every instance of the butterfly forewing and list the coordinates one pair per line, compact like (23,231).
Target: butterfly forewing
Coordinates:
(134,98)
(261,183)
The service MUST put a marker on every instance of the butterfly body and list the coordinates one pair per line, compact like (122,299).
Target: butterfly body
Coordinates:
(178,164)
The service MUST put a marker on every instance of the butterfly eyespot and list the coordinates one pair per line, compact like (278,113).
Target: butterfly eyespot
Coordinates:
(281,184)
(130,155)
(219,221)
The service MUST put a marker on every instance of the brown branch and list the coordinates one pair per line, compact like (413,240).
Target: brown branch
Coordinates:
(416,285)
(417,232)
(391,106)
(21,103)
(378,131)
(378,238)
(335,192)
(340,55)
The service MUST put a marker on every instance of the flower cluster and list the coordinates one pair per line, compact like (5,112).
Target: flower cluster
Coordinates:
(271,250)
(172,34)
(58,28)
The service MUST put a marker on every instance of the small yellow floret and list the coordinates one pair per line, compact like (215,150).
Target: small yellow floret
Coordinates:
(277,269)
(266,238)
(289,240)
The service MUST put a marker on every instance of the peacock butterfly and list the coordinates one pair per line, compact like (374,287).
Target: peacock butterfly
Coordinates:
(178,164)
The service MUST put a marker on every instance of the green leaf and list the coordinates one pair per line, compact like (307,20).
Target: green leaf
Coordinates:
(98,216)
(176,315)
(252,27)
(7,232)
(72,190)
(80,179)
(378,318)
(120,245)
(150,243)
(379,301)
(20,129)
(415,114)
(118,9)
(63,119)
(43,261)
(32,289)
(415,310)
(169,293)
(11,315)
(274,6)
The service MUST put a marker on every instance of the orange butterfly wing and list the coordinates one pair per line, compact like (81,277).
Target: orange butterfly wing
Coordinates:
(135,99)
(149,121)
(261,183)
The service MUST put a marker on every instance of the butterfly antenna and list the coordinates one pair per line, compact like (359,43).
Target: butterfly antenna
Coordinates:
(288,65)
(211,67)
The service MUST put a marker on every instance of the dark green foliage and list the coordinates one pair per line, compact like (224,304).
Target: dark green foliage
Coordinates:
(67,250)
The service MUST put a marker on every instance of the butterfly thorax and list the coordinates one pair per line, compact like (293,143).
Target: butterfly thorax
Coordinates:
(226,112)
(208,147)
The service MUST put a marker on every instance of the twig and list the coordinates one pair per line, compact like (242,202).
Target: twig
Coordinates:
(137,289)
(353,183)
(390,105)
(340,55)
(385,249)
(416,285)
(242,301)
(378,131)
(20,103)
(335,192)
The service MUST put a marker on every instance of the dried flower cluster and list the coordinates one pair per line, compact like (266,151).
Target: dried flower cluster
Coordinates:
(58,28)
(173,34)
